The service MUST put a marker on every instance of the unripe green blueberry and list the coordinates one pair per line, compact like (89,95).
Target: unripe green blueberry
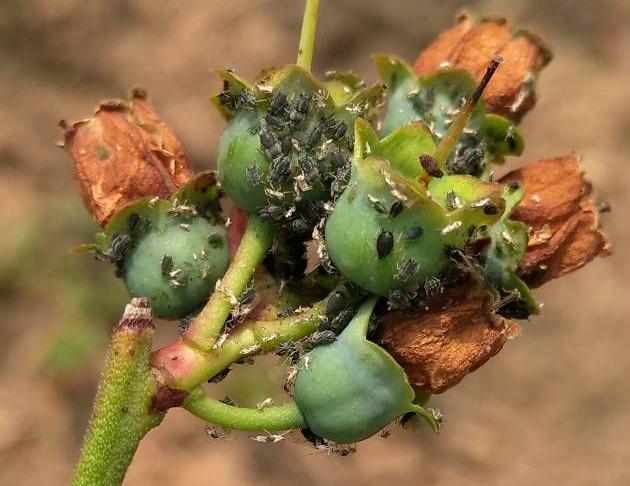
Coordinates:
(390,229)
(287,147)
(351,388)
(176,264)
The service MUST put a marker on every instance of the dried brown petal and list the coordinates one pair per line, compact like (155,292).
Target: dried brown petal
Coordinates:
(123,153)
(471,46)
(559,210)
(163,142)
(440,346)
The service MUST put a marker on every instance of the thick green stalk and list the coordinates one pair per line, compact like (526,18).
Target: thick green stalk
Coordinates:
(121,416)
(307,37)
(206,328)
(281,417)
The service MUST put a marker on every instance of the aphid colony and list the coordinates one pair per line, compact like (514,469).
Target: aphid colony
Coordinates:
(307,149)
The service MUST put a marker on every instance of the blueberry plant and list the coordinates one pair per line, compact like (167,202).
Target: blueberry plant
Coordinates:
(370,245)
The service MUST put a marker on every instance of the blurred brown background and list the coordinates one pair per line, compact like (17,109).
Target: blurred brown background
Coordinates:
(552,408)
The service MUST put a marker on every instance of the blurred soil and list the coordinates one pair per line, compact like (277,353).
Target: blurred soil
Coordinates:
(552,408)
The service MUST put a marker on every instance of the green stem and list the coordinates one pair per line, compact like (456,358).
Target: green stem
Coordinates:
(184,368)
(307,38)
(121,416)
(206,328)
(448,142)
(281,417)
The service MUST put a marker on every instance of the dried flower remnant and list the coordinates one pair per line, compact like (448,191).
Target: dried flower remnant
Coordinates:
(453,337)
(122,153)
(562,216)
(470,45)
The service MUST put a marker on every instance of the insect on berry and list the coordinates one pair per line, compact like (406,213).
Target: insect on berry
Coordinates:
(384,244)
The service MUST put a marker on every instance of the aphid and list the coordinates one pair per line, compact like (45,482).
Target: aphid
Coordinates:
(274,122)
(185,323)
(220,341)
(253,176)
(449,228)
(184,226)
(247,99)
(433,286)
(267,402)
(338,159)
(217,432)
(219,376)
(248,296)
(306,360)
(278,104)
(317,338)
(336,302)
(289,382)
(179,278)
(514,185)
(400,299)
(133,221)
(288,350)
(300,226)
(453,201)
(384,243)
(267,139)
(314,137)
(227,100)
(215,240)
(286,145)
(378,206)
(302,103)
(313,438)
(490,209)
(430,166)
(166,265)
(121,243)
(407,270)
(279,170)
(396,208)
(604,207)
(272,212)
(270,438)
(339,130)
(385,433)
(510,139)
(249,350)
(414,233)
(469,161)
(228,401)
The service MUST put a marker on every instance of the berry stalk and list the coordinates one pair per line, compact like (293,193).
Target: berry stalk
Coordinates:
(206,328)
(281,417)
(307,37)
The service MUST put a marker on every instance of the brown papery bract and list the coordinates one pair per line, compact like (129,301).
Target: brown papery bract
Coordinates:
(458,332)
(123,153)
(561,214)
(471,45)
(439,346)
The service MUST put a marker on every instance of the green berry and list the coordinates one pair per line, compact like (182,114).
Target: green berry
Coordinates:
(351,388)
(176,266)
(373,249)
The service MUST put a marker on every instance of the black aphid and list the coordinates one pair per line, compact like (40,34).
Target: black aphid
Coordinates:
(396,208)
(407,270)
(215,240)
(278,104)
(318,337)
(430,165)
(253,176)
(414,233)
(384,244)
(166,265)
(336,302)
